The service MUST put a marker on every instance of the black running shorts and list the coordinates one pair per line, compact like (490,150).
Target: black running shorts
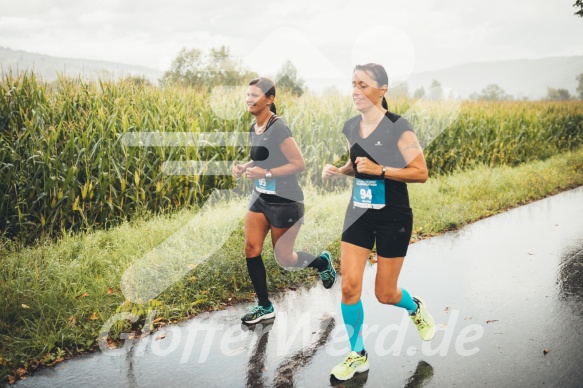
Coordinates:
(279,215)
(390,228)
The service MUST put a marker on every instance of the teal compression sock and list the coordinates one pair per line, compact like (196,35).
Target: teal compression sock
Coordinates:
(407,302)
(353,315)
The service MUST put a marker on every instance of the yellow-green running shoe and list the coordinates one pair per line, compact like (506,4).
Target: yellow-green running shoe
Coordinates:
(354,363)
(423,320)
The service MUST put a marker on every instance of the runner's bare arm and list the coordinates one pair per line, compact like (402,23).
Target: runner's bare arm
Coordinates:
(414,171)
(331,171)
(295,164)
(416,168)
(239,169)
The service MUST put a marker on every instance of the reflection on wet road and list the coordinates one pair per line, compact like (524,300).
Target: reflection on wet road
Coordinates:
(570,274)
(506,293)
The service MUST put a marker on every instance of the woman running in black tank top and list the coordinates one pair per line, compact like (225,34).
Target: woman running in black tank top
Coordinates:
(384,156)
(276,204)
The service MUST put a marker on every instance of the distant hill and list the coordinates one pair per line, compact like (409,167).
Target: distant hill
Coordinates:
(520,78)
(48,67)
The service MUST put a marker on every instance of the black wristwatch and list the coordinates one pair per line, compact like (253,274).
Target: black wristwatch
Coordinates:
(268,174)
(383,172)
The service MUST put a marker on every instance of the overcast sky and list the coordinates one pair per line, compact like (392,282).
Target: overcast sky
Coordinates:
(323,38)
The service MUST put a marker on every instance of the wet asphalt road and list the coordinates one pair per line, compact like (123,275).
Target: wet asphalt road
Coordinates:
(504,291)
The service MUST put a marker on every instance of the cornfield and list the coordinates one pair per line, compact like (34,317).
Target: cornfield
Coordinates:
(64,166)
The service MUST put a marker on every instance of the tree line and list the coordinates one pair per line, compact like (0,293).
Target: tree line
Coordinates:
(217,67)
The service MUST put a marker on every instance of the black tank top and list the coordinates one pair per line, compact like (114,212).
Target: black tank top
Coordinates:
(381,147)
(266,153)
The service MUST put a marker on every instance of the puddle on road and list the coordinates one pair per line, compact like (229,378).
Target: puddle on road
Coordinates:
(570,275)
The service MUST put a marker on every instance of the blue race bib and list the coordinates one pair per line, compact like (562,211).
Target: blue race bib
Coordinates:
(369,193)
(266,186)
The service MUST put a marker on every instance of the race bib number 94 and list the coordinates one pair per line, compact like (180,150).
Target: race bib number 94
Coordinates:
(266,186)
(369,193)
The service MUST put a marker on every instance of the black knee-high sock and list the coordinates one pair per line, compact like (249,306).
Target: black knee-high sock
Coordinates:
(259,279)
(306,259)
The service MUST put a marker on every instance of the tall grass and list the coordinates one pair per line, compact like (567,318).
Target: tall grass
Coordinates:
(506,133)
(64,167)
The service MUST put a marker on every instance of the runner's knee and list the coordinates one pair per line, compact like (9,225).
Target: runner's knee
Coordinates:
(284,258)
(387,296)
(351,289)
(252,249)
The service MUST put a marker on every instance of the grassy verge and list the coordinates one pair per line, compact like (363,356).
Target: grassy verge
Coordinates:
(57,296)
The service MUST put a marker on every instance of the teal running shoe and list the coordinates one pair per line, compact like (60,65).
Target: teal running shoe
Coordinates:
(258,313)
(328,275)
